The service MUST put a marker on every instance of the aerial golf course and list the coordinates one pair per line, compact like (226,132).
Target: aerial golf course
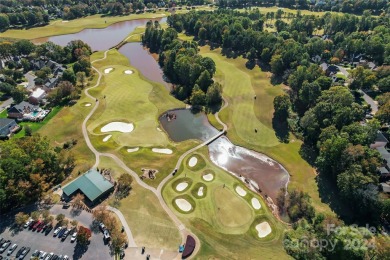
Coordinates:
(229,219)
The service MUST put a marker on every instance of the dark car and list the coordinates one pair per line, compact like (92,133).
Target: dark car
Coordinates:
(48,229)
(36,225)
(55,257)
(24,253)
(32,223)
(20,251)
(65,235)
(62,231)
(35,254)
(40,227)
(65,205)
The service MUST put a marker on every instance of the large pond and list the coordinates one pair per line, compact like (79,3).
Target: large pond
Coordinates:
(141,59)
(264,173)
(100,39)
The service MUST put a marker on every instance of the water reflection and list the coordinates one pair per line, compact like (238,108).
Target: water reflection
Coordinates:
(100,39)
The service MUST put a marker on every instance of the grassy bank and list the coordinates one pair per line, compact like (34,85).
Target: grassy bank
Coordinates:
(245,114)
(223,220)
(59,27)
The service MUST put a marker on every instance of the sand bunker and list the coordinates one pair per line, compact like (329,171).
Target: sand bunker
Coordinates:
(65,21)
(264,229)
(87,104)
(131,150)
(182,186)
(105,139)
(200,192)
(118,126)
(108,70)
(159,129)
(183,205)
(164,151)
(128,72)
(208,177)
(256,203)
(193,161)
(240,191)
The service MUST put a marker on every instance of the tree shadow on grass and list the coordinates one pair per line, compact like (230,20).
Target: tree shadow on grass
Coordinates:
(250,64)
(308,153)
(281,129)
(329,195)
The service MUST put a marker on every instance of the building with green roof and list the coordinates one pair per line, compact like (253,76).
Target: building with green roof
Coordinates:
(92,184)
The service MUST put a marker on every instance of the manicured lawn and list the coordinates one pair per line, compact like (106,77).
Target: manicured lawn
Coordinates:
(58,27)
(149,223)
(244,114)
(223,220)
(133,99)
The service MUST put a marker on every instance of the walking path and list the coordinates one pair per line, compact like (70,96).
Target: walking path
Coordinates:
(130,238)
(183,230)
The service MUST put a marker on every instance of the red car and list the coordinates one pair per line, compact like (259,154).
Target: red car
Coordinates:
(36,225)
(40,227)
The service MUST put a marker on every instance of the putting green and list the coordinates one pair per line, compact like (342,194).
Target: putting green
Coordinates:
(232,211)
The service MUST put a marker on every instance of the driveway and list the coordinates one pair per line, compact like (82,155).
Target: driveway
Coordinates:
(39,241)
(371,102)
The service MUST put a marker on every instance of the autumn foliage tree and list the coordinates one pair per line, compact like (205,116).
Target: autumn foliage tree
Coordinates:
(83,235)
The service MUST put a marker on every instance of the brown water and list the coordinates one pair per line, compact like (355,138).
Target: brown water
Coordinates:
(100,39)
(141,59)
(265,174)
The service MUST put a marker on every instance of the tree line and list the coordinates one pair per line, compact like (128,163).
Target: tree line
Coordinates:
(29,166)
(189,72)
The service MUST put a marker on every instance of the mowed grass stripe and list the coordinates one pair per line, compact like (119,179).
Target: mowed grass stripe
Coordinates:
(238,90)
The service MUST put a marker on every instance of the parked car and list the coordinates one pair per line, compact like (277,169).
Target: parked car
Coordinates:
(102,226)
(74,236)
(5,246)
(28,223)
(24,253)
(62,231)
(56,231)
(12,249)
(66,257)
(43,255)
(55,257)
(106,235)
(20,251)
(40,227)
(1,241)
(36,225)
(45,227)
(32,224)
(65,205)
(35,254)
(48,229)
(49,256)
(65,235)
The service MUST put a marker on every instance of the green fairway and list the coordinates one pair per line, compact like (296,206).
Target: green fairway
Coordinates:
(133,99)
(258,114)
(223,220)
(149,223)
(59,27)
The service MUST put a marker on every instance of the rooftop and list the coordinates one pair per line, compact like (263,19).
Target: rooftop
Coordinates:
(92,184)
(38,93)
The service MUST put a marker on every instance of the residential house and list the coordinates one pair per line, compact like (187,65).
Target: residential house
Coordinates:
(380,145)
(329,70)
(36,96)
(51,83)
(17,111)
(8,127)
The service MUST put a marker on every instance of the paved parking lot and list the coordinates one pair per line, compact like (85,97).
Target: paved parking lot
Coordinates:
(39,241)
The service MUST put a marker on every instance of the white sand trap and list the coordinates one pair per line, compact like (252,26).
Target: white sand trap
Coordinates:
(164,151)
(264,229)
(65,21)
(132,150)
(88,105)
(108,70)
(200,192)
(240,191)
(182,186)
(128,72)
(105,139)
(118,126)
(256,203)
(193,161)
(208,177)
(183,205)
(159,129)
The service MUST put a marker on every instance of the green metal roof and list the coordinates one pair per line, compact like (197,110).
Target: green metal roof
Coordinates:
(92,184)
